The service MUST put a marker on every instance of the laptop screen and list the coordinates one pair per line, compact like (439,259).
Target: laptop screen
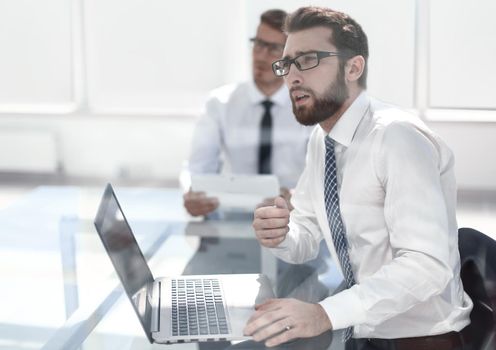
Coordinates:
(126,256)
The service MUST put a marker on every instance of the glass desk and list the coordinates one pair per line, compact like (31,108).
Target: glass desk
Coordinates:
(59,289)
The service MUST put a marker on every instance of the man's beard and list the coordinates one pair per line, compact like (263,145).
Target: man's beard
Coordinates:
(322,108)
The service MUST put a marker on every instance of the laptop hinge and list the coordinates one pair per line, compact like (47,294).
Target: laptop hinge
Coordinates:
(155,303)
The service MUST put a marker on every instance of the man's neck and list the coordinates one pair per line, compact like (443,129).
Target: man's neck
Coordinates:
(329,123)
(268,89)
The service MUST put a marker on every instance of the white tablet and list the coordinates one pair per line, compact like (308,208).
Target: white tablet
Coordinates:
(236,191)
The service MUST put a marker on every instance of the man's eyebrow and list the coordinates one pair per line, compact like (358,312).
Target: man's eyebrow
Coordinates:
(298,53)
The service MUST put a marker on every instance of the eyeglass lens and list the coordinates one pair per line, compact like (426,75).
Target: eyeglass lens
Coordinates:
(302,62)
(273,48)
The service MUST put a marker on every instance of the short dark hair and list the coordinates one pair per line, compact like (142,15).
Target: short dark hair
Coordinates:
(274,18)
(347,34)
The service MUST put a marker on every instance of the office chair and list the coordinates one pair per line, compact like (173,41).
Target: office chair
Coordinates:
(478,274)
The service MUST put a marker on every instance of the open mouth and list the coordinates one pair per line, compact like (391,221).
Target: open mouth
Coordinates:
(300,97)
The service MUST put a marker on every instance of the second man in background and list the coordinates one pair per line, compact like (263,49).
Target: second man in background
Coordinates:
(249,128)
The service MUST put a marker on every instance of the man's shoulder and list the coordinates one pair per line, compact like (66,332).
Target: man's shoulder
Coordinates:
(399,129)
(227,92)
(390,117)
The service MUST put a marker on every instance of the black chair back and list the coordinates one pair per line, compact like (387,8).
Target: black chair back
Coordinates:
(478,274)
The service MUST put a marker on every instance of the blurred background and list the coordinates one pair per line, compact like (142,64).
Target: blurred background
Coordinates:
(109,90)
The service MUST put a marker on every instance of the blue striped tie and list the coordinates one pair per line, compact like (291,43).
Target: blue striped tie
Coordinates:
(334,218)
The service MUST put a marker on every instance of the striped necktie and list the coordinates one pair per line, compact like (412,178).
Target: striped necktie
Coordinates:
(334,219)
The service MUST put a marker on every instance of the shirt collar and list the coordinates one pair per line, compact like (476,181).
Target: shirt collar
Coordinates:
(345,128)
(280,97)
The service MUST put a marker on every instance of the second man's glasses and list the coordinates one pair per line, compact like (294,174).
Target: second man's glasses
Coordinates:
(274,49)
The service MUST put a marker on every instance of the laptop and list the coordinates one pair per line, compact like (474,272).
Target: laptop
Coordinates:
(177,309)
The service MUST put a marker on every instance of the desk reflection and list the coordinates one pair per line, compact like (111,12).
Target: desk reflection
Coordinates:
(320,342)
(229,246)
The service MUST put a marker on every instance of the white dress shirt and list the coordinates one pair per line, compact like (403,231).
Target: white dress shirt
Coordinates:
(397,195)
(227,136)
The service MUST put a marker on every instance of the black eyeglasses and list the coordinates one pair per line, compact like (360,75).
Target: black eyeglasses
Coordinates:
(303,62)
(274,49)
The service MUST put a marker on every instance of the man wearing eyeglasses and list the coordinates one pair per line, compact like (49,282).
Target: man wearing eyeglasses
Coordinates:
(249,128)
(379,188)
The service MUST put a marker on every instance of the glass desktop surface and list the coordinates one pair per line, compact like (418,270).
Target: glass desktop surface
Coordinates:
(54,269)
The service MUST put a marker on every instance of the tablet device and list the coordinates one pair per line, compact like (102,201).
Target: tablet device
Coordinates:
(240,192)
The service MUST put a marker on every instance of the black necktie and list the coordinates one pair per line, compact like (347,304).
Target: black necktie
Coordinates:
(265,149)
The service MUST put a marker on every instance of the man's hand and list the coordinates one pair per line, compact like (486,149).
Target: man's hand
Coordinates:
(282,320)
(284,193)
(197,203)
(271,223)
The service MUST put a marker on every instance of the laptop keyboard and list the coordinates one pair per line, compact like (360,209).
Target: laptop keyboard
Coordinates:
(198,307)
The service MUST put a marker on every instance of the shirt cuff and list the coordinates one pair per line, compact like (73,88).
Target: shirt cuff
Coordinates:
(284,245)
(344,309)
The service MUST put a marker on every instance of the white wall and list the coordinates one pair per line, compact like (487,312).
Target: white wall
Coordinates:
(473,145)
(113,146)
(122,93)
(154,56)
(462,54)
(35,53)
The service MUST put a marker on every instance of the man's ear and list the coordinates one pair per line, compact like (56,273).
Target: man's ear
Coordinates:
(354,68)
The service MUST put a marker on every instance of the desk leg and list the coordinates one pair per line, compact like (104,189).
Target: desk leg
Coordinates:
(269,265)
(67,229)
